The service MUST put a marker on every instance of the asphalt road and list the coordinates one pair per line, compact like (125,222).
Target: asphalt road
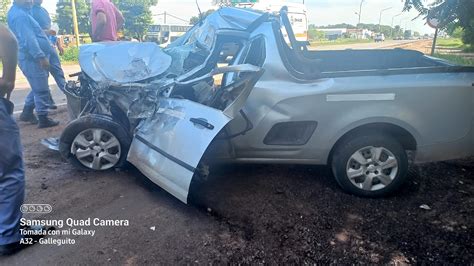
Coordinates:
(22,88)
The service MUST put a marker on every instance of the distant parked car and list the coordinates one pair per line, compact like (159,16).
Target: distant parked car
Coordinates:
(379,37)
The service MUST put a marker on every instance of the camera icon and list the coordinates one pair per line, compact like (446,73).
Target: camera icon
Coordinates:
(36,208)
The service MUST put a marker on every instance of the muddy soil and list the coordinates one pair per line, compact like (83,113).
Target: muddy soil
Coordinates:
(250,214)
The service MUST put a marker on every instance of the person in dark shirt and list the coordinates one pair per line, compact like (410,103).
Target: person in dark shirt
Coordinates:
(12,174)
(41,15)
(35,50)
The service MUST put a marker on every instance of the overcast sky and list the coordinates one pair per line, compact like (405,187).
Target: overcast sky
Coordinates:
(321,12)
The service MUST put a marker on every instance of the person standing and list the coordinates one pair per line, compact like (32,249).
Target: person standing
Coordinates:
(41,15)
(12,174)
(12,178)
(34,52)
(106,20)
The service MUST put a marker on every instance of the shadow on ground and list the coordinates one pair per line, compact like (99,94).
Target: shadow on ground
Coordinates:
(298,214)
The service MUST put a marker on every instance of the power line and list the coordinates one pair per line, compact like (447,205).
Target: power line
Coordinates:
(166,14)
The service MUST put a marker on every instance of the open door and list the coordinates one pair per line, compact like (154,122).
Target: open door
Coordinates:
(167,147)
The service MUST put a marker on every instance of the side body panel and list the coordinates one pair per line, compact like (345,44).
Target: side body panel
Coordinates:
(436,109)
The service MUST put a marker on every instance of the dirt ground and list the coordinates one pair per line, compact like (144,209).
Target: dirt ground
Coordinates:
(250,214)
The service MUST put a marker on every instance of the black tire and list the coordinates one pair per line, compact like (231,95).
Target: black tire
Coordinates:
(341,160)
(94,122)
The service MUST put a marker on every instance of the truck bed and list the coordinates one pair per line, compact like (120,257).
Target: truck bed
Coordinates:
(355,60)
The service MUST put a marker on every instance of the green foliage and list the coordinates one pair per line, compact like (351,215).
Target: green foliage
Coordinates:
(388,31)
(194,20)
(341,25)
(449,12)
(138,16)
(456,59)
(455,43)
(71,54)
(64,16)
(4,6)
(315,35)
(450,42)
(457,33)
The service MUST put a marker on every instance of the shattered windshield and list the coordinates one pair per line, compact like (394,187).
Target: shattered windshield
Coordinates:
(192,49)
(128,62)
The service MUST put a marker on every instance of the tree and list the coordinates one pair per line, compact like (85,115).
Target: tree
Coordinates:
(194,20)
(138,16)
(316,35)
(4,6)
(448,12)
(64,16)
(223,2)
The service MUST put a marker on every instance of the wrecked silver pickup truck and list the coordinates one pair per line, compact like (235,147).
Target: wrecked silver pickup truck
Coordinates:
(359,111)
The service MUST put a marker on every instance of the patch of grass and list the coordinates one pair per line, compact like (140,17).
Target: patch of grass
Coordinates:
(71,55)
(468,48)
(339,42)
(454,43)
(456,59)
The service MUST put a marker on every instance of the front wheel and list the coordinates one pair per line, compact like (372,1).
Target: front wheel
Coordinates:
(370,165)
(95,143)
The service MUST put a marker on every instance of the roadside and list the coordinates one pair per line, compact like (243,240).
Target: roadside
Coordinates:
(455,51)
(389,44)
(22,88)
(452,50)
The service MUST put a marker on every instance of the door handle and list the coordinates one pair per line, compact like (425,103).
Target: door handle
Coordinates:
(202,122)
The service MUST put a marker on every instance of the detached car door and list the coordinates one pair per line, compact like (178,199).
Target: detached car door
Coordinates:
(167,147)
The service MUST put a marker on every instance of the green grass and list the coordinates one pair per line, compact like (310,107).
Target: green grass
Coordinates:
(339,42)
(450,43)
(456,59)
(454,43)
(71,55)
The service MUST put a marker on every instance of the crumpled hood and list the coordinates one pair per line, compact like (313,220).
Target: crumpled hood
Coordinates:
(123,62)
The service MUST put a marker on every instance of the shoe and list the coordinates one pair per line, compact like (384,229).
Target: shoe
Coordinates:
(27,241)
(28,116)
(45,122)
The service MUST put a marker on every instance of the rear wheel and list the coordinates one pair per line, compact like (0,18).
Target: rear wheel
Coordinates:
(370,165)
(95,143)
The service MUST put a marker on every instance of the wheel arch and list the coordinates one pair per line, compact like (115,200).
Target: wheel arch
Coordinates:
(101,121)
(406,137)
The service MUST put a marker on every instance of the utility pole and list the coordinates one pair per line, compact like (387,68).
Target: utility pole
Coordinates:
(391,27)
(360,11)
(433,48)
(380,19)
(164,20)
(74,19)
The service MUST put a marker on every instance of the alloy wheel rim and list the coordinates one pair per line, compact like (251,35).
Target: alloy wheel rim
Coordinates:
(372,168)
(96,149)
